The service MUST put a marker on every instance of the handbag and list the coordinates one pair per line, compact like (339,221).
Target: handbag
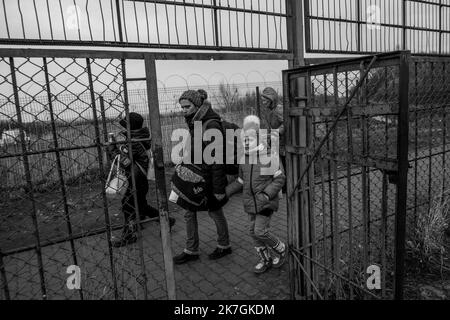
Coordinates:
(117,182)
(190,186)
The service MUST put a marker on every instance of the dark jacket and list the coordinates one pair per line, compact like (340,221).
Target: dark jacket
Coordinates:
(260,192)
(139,148)
(273,119)
(214,174)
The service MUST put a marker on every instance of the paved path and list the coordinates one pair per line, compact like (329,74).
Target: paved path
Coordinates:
(230,277)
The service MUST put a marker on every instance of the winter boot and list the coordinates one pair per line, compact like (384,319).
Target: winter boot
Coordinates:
(265,261)
(280,253)
(128,236)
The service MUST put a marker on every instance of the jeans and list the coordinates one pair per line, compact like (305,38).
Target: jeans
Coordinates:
(259,229)
(192,239)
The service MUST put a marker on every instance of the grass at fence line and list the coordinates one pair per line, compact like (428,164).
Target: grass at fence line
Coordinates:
(428,244)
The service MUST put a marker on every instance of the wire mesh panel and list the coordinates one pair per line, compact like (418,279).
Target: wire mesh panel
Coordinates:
(428,178)
(56,220)
(370,26)
(347,194)
(256,25)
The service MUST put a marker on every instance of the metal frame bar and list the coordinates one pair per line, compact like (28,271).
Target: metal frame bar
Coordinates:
(103,175)
(133,55)
(402,184)
(404,26)
(133,184)
(118,15)
(30,187)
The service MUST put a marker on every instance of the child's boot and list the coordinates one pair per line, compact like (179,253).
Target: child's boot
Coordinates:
(280,251)
(265,261)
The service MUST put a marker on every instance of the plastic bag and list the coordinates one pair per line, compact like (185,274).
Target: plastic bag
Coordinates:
(117,182)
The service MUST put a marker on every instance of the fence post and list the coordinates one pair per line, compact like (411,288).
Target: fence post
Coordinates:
(295,135)
(157,148)
(402,157)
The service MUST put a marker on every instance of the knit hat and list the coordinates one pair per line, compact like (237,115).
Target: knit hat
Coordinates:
(251,122)
(270,94)
(136,121)
(196,97)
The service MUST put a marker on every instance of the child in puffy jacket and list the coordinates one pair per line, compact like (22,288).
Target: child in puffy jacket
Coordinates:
(261,183)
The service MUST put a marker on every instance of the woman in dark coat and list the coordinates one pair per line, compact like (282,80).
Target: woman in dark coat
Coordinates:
(197,108)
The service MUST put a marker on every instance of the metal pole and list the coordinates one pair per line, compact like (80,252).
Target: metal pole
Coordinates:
(105,128)
(59,168)
(295,38)
(402,155)
(102,175)
(216,25)
(258,103)
(119,20)
(157,148)
(403,24)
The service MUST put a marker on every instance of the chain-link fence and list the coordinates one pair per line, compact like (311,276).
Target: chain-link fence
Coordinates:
(232,101)
(346,181)
(428,177)
(356,209)
(56,114)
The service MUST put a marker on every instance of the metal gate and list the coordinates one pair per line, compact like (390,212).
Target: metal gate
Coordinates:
(56,218)
(347,152)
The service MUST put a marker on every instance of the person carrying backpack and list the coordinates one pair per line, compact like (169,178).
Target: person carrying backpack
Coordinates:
(210,178)
(273,119)
(140,157)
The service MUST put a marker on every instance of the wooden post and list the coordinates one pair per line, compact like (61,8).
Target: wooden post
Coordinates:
(157,148)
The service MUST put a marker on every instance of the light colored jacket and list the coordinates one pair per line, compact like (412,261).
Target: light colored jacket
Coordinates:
(260,192)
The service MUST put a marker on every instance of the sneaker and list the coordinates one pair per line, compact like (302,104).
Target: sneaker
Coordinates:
(262,266)
(279,256)
(185,257)
(265,261)
(219,253)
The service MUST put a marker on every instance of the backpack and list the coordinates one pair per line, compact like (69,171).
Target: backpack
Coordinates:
(231,164)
